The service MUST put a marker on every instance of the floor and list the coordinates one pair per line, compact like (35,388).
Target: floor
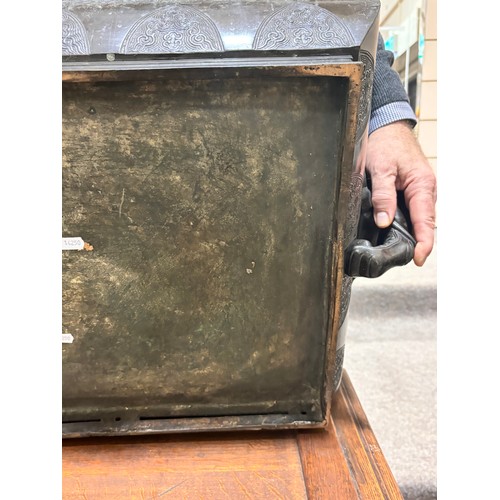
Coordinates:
(391,359)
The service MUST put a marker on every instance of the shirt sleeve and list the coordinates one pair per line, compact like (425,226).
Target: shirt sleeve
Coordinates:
(390,102)
(389,113)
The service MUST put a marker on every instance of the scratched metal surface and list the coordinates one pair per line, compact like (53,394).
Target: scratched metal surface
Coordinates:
(191,26)
(207,210)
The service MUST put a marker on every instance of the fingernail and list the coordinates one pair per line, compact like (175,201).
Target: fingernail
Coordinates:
(418,258)
(382,219)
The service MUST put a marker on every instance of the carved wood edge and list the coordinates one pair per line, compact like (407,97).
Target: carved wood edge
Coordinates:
(347,404)
(347,461)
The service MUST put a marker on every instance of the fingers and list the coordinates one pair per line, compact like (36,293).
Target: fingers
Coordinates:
(422,251)
(381,163)
(383,199)
(420,195)
(395,161)
(424,234)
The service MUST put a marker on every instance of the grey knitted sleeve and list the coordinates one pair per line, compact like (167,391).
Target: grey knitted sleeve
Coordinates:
(387,86)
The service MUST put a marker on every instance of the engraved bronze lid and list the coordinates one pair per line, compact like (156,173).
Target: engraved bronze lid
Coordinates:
(135,27)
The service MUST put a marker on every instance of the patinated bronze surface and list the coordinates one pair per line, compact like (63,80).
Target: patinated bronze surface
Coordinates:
(213,197)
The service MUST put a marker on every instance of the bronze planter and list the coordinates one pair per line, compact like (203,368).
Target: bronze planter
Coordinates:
(212,171)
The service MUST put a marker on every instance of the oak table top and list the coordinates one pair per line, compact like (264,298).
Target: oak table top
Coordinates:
(343,461)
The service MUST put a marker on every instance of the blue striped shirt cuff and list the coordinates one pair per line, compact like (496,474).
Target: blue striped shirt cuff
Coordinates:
(390,113)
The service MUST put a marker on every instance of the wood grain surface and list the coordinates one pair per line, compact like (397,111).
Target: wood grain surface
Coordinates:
(343,461)
(204,466)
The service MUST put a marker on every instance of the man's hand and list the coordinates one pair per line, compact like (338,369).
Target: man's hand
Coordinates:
(396,162)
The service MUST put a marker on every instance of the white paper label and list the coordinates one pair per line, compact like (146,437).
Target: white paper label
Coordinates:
(67,338)
(72,243)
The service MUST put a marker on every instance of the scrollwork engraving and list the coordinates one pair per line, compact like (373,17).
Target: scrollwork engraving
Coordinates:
(173,29)
(366,92)
(354,207)
(302,26)
(351,231)
(74,36)
(345,298)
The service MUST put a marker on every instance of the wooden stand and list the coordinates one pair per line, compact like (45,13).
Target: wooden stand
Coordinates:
(342,462)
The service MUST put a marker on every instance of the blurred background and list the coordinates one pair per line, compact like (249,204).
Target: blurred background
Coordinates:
(391,340)
(409,28)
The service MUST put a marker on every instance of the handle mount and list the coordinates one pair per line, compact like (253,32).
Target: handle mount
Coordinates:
(376,250)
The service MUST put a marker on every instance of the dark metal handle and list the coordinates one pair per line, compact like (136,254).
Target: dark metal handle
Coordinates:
(375,251)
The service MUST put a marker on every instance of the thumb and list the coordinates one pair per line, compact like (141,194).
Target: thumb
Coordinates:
(383,200)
